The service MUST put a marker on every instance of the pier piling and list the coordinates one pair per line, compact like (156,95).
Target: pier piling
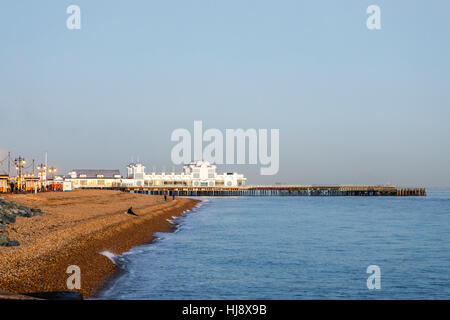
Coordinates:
(277,190)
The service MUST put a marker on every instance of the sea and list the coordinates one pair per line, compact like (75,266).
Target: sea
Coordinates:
(295,248)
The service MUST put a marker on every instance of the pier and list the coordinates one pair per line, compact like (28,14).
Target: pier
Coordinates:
(277,190)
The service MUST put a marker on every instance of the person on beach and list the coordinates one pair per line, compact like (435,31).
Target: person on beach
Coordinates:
(165,195)
(173,195)
(130,211)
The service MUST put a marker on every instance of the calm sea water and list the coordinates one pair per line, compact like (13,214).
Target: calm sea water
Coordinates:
(296,248)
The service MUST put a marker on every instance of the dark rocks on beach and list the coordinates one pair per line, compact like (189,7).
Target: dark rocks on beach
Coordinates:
(13,243)
(7,217)
(5,241)
(9,211)
(37,212)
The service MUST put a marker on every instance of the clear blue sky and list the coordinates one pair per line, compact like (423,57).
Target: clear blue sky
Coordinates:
(352,105)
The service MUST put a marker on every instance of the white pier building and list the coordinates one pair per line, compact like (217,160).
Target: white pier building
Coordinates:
(195,174)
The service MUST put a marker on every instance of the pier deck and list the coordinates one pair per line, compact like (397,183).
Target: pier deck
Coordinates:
(278,190)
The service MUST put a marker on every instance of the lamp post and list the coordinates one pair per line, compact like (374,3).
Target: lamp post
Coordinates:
(42,170)
(52,170)
(20,163)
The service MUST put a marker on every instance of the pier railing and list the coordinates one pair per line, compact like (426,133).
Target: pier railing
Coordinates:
(276,190)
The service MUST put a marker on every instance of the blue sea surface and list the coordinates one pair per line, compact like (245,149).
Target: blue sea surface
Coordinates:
(295,248)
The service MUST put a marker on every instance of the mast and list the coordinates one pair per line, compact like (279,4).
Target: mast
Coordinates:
(9,163)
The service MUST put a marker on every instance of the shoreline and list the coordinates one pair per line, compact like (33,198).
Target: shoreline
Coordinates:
(78,226)
(118,270)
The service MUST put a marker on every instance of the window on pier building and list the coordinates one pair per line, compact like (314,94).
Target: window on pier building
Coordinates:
(139,176)
(101,182)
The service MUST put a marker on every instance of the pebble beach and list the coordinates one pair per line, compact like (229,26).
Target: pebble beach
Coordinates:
(74,229)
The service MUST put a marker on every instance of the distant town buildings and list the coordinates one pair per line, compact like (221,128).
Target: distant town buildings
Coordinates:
(195,174)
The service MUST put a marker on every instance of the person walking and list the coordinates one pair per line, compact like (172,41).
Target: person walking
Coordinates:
(165,195)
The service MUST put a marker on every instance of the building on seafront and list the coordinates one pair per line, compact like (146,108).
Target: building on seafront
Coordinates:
(4,181)
(92,178)
(195,174)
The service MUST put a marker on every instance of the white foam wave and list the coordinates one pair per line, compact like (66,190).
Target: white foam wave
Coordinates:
(111,256)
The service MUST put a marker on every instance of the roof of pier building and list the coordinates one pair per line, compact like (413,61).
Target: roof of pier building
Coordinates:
(95,173)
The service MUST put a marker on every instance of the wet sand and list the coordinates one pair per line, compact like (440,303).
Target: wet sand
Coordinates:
(78,226)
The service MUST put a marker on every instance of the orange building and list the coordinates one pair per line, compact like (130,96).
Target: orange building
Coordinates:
(32,183)
(4,183)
